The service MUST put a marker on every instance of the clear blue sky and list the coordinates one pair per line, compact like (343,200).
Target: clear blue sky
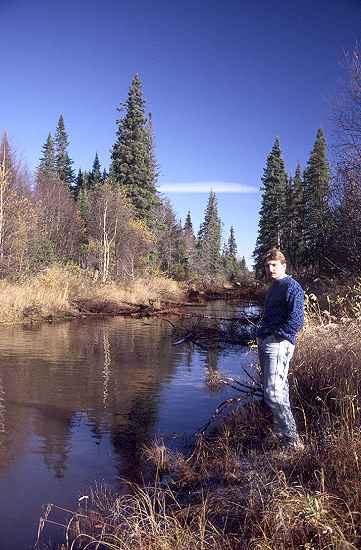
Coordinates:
(222,79)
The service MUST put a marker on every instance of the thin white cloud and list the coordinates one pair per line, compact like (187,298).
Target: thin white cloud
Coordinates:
(206,187)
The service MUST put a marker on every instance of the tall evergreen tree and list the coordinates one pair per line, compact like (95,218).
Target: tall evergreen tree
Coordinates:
(190,245)
(63,161)
(133,165)
(295,222)
(242,264)
(209,240)
(87,179)
(170,247)
(317,215)
(83,203)
(79,184)
(95,176)
(47,165)
(232,245)
(104,176)
(188,225)
(271,229)
(230,262)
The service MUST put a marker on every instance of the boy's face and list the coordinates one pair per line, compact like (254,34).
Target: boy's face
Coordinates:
(275,269)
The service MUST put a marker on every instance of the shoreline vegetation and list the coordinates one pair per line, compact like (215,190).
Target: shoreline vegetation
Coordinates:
(60,293)
(66,292)
(235,488)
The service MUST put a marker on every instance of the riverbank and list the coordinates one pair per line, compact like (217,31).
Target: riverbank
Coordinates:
(59,293)
(236,489)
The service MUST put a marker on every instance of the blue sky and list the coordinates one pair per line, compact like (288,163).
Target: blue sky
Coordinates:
(222,80)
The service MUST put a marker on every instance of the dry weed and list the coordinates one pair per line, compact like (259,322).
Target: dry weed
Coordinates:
(54,293)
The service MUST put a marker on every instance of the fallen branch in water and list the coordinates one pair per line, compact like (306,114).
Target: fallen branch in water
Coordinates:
(248,392)
(216,335)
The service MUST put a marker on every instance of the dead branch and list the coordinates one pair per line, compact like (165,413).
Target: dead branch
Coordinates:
(249,392)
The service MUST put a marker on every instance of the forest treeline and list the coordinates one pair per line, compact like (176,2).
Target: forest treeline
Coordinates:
(117,224)
(113,222)
(315,214)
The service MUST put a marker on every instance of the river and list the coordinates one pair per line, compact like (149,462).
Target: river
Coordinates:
(78,400)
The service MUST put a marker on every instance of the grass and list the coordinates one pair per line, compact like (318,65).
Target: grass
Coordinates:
(237,489)
(59,292)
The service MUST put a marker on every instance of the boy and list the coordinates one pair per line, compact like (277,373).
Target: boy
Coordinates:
(276,337)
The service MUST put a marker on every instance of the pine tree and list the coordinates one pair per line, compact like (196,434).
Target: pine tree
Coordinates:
(317,215)
(242,264)
(79,184)
(171,247)
(232,245)
(295,222)
(230,262)
(47,165)
(190,244)
(87,179)
(288,240)
(63,162)
(95,176)
(209,240)
(83,203)
(271,229)
(104,176)
(133,164)
(188,226)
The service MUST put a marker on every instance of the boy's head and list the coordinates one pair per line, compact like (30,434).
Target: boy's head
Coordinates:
(275,263)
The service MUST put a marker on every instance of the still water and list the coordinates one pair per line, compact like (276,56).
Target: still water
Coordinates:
(78,400)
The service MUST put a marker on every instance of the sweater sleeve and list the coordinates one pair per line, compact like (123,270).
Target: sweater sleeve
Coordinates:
(295,313)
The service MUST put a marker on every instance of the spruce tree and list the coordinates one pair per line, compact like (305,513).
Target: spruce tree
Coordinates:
(232,245)
(230,262)
(242,264)
(104,176)
(170,248)
(295,222)
(317,215)
(288,240)
(133,165)
(63,162)
(271,228)
(190,245)
(87,179)
(83,203)
(188,225)
(79,184)
(47,165)
(95,176)
(209,240)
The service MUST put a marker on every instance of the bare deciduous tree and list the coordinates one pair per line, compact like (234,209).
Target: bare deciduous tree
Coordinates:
(347,112)
(347,180)
(118,243)
(59,223)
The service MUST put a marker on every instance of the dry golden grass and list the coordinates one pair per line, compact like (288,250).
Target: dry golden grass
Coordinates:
(55,291)
(143,519)
(237,490)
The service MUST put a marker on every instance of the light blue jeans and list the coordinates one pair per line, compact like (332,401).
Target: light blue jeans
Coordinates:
(274,355)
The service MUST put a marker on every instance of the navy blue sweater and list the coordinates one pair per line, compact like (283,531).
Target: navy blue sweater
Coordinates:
(283,313)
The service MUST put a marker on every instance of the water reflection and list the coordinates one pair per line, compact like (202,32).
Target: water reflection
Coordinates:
(79,400)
